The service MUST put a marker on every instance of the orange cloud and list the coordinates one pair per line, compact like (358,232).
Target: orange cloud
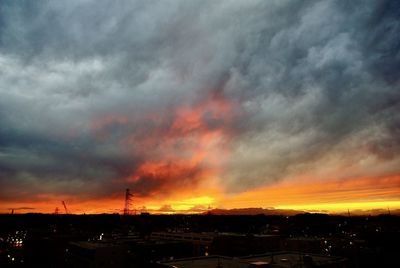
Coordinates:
(185,153)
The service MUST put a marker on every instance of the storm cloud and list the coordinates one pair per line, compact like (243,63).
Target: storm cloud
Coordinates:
(99,96)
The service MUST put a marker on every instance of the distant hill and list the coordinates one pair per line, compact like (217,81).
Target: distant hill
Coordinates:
(253,211)
(289,212)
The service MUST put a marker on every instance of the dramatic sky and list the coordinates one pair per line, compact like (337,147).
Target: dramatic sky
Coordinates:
(190,104)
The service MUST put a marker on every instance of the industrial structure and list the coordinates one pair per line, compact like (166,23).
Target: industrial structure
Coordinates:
(128,200)
(65,207)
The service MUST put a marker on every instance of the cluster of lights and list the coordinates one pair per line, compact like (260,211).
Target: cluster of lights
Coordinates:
(97,238)
(16,239)
(11,258)
(327,247)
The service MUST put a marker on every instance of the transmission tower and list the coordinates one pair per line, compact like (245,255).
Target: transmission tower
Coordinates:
(128,200)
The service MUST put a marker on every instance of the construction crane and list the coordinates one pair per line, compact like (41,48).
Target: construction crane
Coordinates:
(65,207)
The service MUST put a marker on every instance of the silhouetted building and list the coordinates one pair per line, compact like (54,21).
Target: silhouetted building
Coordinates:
(229,244)
(124,252)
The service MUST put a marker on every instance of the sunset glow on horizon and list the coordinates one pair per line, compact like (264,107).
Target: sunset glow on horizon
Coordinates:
(359,195)
(198,106)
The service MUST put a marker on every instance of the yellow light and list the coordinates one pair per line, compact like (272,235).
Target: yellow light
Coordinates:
(343,207)
(191,202)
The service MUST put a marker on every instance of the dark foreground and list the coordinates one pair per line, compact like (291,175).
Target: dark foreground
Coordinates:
(306,240)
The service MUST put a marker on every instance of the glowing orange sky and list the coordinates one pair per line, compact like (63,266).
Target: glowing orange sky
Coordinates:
(185,162)
(332,196)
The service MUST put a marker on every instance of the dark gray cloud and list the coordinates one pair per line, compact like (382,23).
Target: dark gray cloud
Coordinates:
(90,91)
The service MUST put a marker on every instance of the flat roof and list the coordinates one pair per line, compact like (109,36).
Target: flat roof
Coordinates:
(279,259)
(205,262)
(91,244)
(210,234)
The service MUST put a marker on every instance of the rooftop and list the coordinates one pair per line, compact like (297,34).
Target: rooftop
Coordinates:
(279,259)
